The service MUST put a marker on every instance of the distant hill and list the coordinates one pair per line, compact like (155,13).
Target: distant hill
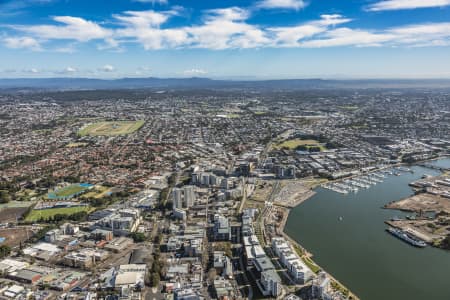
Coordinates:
(196,83)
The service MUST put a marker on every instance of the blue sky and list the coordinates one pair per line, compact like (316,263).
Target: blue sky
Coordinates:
(225,39)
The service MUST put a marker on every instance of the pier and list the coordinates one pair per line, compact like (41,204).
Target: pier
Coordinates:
(434,167)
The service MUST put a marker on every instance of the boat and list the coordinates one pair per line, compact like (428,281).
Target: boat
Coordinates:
(338,188)
(341,218)
(402,169)
(381,176)
(398,233)
(376,179)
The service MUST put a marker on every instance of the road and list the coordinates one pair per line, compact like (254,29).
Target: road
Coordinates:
(242,270)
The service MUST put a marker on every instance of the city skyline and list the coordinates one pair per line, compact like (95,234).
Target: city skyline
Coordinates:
(258,39)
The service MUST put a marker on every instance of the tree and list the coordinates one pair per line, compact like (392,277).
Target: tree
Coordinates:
(138,237)
(5,250)
(212,274)
(302,148)
(445,244)
(314,149)
(4,196)
(155,278)
(172,179)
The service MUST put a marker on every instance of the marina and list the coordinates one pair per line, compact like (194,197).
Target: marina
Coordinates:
(346,234)
(365,180)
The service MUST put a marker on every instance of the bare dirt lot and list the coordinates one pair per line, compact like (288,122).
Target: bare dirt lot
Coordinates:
(424,202)
(16,235)
(8,215)
(293,193)
(427,230)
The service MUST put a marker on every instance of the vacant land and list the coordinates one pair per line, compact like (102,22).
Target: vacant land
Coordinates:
(15,236)
(233,116)
(110,128)
(16,204)
(262,191)
(349,107)
(98,192)
(422,202)
(76,145)
(294,143)
(292,193)
(431,231)
(47,213)
(12,211)
(11,215)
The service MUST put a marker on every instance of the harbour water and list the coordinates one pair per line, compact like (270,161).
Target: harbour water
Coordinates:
(346,234)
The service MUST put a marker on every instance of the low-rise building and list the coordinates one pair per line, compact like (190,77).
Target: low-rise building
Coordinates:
(84,258)
(119,244)
(26,276)
(130,276)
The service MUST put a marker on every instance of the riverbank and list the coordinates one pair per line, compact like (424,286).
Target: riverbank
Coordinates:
(339,236)
(430,208)
(343,245)
(307,256)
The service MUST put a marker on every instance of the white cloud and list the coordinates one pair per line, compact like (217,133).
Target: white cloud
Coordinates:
(194,72)
(143,71)
(107,68)
(148,18)
(66,49)
(406,4)
(74,28)
(221,29)
(349,37)
(225,28)
(231,14)
(31,70)
(331,20)
(293,36)
(431,34)
(144,26)
(22,42)
(9,71)
(420,35)
(70,70)
(285,4)
(66,71)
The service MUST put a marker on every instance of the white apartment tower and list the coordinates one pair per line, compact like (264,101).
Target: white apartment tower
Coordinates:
(177,198)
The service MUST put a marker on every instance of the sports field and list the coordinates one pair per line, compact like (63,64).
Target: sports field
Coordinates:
(110,128)
(68,191)
(76,145)
(292,144)
(37,214)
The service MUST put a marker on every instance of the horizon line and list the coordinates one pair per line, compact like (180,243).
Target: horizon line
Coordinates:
(233,78)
